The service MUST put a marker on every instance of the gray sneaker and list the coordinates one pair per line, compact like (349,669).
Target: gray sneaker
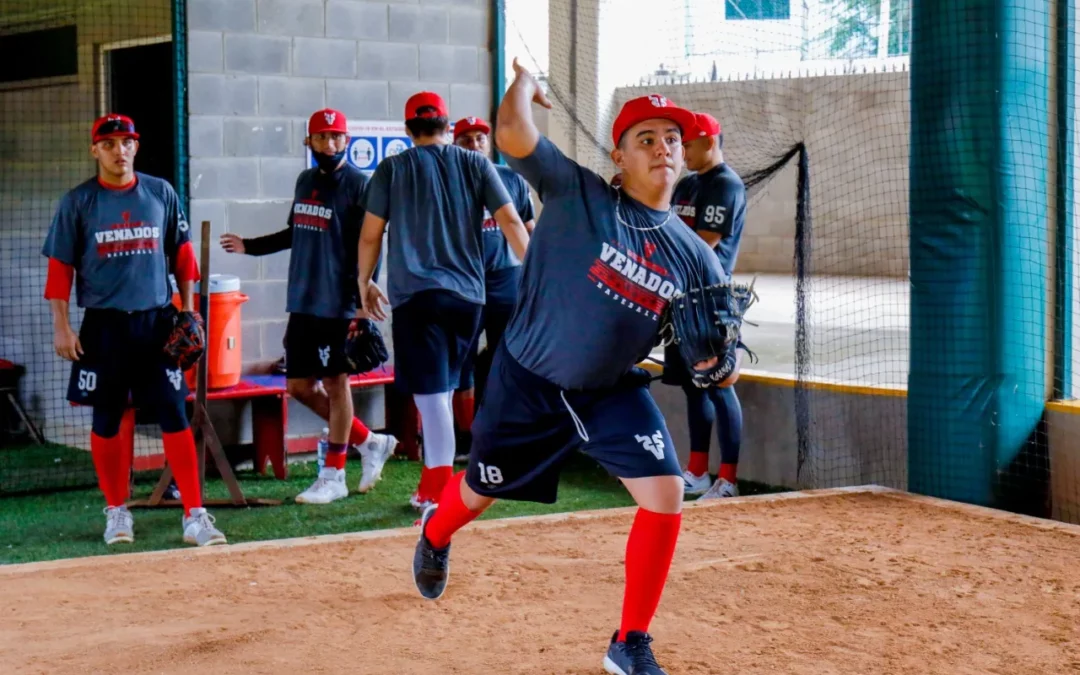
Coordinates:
(119,525)
(199,529)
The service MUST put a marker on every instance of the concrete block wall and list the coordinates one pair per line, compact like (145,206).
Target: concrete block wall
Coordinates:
(259,68)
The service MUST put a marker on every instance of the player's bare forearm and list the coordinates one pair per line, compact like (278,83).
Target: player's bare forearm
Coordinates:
(515,132)
(60,316)
(371,235)
(187,295)
(513,229)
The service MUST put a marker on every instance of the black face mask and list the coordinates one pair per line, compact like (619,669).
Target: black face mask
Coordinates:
(328,163)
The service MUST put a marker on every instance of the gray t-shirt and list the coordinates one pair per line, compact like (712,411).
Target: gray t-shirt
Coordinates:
(433,200)
(121,242)
(595,283)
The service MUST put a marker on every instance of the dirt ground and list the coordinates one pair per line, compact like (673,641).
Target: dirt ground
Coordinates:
(841,583)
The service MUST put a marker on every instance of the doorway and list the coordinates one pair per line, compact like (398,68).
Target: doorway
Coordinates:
(138,83)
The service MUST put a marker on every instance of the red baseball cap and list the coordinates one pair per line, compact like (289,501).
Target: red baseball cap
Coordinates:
(467,124)
(113,126)
(704,125)
(327,120)
(425,99)
(650,107)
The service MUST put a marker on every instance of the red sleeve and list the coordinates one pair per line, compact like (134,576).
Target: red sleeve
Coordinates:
(186,268)
(58,281)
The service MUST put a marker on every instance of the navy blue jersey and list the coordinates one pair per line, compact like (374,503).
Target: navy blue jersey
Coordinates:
(121,242)
(323,232)
(433,199)
(714,201)
(601,270)
(497,253)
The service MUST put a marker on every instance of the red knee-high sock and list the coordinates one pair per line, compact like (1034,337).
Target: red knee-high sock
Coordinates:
(452,514)
(359,432)
(699,463)
(180,453)
(649,551)
(112,462)
(464,409)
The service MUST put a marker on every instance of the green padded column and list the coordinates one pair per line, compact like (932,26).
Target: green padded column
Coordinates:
(979,266)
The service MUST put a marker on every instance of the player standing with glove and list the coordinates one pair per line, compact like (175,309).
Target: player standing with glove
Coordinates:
(119,236)
(502,273)
(604,266)
(323,230)
(712,201)
(433,197)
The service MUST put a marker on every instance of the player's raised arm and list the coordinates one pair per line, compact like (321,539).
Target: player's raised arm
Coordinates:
(515,132)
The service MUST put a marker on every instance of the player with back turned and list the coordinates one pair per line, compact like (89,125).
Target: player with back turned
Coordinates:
(502,273)
(119,236)
(322,230)
(430,199)
(711,200)
(604,265)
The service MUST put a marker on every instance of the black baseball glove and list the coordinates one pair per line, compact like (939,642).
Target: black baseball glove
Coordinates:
(187,340)
(365,349)
(706,322)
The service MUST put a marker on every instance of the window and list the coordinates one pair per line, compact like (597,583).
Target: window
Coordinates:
(757,10)
(35,55)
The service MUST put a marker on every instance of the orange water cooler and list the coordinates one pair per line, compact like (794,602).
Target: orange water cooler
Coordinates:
(224,348)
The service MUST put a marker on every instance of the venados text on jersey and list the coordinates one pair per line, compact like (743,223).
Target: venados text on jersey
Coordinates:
(127,234)
(636,273)
(312,210)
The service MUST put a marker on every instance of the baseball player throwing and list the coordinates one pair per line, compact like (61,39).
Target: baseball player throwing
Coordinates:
(323,229)
(603,266)
(119,236)
(711,200)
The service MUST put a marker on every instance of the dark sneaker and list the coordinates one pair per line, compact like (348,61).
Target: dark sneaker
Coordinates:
(633,657)
(430,565)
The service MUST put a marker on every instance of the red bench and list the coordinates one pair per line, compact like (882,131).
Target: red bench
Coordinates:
(270,417)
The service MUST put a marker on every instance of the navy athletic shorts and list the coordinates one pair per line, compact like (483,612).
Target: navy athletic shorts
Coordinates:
(432,333)
(315,346)
(123,361)
(528,426)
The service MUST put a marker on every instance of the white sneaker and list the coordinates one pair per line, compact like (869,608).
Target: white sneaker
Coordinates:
(373,455)
(696,485)
(721,489)
(420,504)
(199,529)
(119,525)
(328,487)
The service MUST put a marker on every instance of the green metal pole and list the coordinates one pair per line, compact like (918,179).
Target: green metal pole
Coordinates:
(1067,66)
(498,64)
(180,101)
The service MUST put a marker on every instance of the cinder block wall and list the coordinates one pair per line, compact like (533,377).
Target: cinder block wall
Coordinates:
(259,68)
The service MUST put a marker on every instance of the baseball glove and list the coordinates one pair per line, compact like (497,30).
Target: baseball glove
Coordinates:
(186,341)
(365,349)
(706,322)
